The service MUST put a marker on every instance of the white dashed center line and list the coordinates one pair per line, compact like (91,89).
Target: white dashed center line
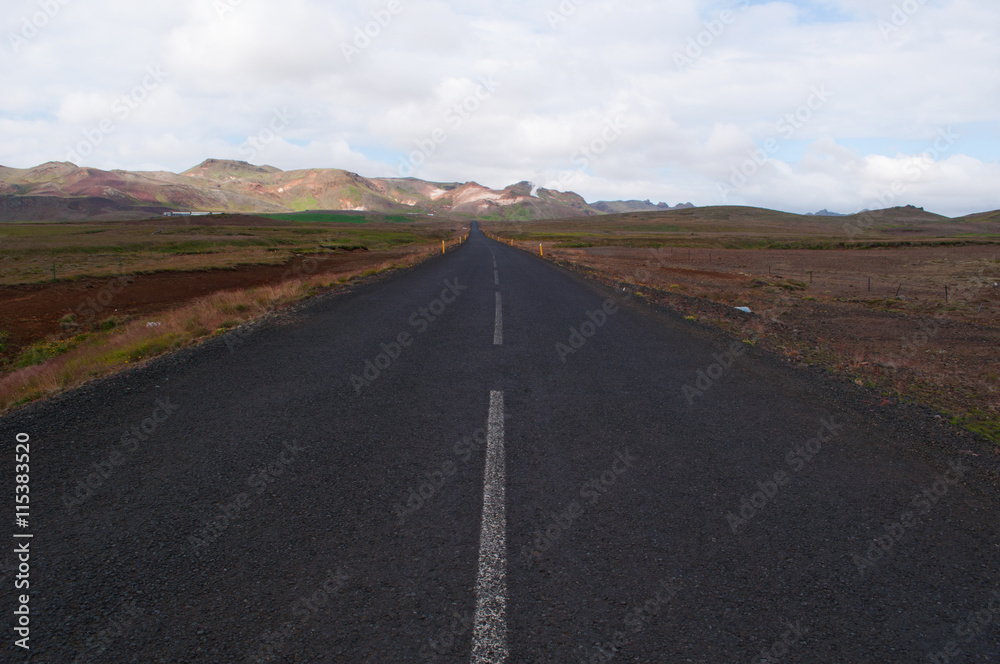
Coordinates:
(489,635)
(498,330)
(496,278)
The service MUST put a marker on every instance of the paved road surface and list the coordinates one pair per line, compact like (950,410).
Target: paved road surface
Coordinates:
(488,459)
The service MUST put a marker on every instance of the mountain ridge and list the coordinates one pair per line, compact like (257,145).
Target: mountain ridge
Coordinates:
(620,207)
(222,185)
(62,191)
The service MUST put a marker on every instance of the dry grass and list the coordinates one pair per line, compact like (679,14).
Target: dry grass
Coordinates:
(921,349)
(39,252)
(102,353)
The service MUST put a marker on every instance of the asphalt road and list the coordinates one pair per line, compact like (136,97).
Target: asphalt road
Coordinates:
(488,458)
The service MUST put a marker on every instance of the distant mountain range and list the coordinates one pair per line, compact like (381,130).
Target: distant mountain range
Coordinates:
(621,207)
(61,191)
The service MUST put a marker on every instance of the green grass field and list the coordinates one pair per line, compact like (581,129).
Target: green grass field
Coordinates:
(733,227)
(345,217)
(35,252)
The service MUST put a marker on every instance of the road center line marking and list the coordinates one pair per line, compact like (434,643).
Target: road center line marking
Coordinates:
(498,330)
(489,635)
(496,278)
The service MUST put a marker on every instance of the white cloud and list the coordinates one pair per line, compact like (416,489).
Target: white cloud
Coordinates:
(839,179)
(83,107)
(686,129)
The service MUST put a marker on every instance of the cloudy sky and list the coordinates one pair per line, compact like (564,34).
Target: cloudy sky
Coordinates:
(796,105)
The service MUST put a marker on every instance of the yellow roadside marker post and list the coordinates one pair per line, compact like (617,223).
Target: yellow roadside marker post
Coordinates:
(540,252)
(442,246)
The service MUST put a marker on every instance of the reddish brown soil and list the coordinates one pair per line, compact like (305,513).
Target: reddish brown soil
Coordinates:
(918,273)
(918,346)
(29,313)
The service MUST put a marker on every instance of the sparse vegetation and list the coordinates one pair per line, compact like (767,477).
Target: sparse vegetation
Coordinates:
(41,351)
(808,288)
(105,249)
(103,339)
(56,364)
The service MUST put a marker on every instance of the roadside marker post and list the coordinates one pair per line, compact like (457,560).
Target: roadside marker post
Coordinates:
(442,246)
